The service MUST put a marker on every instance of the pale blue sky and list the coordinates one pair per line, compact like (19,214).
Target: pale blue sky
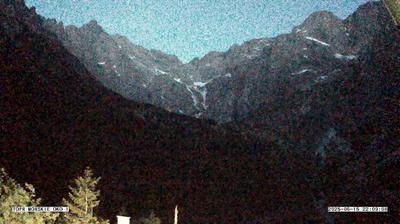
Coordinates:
(191,28)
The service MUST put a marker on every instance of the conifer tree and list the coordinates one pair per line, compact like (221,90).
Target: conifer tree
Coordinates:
(82,200)
(13,194)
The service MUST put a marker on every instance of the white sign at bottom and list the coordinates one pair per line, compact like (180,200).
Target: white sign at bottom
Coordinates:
(123,219)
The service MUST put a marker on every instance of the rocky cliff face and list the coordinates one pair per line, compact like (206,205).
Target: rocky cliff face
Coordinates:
(151,76)
(340,107)
(225,86)
(317,51)
(139,74)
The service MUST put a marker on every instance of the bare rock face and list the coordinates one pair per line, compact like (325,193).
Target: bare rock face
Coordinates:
(136,73)
(152,76)
(226,86)
(316,52)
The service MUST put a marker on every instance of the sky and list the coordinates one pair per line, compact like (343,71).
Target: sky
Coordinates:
(191,28)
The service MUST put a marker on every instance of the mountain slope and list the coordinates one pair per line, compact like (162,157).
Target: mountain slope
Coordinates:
(150,76)
(143,75)
(226,86)
(348,121)
(57,119)
(316,51)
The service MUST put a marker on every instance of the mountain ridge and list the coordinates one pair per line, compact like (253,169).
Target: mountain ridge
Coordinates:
(154,77)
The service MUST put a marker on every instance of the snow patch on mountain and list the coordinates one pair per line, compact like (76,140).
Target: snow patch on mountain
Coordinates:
(250,56)
(318,41)
(201,87)
(229,75)
(158,71)
(321,78)
(200,84)
(194,98)
(345,57)
(116,71)
(302,72)
(204,95)
(257,48)
(178,80)
(298,30)
(118,74)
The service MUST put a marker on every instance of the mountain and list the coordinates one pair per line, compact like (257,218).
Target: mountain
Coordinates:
(224,86)
(150,76)
(139,74)
(56,119)
(341,111)
(312,120)
(314,83)
(316,51)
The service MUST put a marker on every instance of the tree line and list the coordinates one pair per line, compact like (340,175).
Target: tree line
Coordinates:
(82,200)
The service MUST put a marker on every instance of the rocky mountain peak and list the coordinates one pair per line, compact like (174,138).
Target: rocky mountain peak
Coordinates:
(369,13)
(92,22)
(327,27)
(93,27)
(370,18)
(323,15)
(321,21)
